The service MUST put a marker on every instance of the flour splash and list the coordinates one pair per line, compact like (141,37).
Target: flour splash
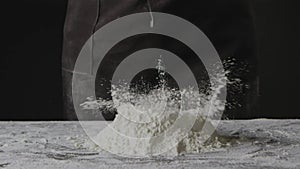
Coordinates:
(144,125)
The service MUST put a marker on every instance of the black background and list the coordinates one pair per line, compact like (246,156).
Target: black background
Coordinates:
(30,65)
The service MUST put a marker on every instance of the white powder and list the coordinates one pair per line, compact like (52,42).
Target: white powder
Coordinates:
(145,125)
(120,143)
(152,124)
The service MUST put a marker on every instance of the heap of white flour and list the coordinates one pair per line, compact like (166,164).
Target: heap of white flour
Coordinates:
(163,121)
(145,127)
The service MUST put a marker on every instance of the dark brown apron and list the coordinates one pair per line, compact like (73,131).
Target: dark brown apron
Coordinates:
(227,23)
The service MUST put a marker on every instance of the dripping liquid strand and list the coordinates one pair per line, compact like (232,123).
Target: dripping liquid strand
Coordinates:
(151,14)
